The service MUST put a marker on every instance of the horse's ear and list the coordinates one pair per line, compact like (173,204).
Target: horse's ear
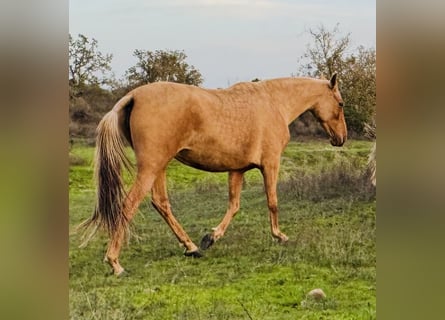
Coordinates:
(333,81)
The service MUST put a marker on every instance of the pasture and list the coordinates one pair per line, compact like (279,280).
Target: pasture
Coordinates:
(327,209)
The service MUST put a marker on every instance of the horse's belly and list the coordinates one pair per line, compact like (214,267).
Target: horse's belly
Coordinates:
(215,160)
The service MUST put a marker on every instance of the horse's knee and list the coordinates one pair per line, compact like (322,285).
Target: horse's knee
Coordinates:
(273,208)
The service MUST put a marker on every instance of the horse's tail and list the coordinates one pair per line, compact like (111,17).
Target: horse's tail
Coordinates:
(109,159)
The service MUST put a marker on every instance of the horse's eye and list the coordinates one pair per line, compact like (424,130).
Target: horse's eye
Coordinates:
(341,104)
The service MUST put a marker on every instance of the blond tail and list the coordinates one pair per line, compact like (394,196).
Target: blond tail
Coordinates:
(109,160)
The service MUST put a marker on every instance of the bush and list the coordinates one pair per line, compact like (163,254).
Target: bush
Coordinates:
(306,125)
(343,179)
(87,107)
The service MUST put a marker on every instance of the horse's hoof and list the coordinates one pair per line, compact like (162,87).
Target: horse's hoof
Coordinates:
(123,274)
(193,254)
(206,242)
(282,238)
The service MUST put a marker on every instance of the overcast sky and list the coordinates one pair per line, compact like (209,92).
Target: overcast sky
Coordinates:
(226,40)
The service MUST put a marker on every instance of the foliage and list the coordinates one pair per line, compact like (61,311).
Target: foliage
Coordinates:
(85,62)
(325,55)
(88,101)
(306,127)
(359,88)
(162,65)
(245,275)
(86,110)
(329,53)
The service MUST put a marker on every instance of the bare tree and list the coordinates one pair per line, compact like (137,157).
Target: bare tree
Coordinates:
(86,62)
(325,55)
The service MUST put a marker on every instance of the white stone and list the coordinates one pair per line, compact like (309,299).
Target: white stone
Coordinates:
(317,294)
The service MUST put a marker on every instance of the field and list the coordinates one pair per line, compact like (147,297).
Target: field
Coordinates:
(327,209)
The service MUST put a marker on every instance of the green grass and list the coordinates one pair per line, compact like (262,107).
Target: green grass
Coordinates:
(326,209)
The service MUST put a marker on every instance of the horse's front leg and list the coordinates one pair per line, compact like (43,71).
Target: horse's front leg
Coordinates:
(270,175)
(235,185)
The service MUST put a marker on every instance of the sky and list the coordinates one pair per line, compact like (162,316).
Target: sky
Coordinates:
(228,41)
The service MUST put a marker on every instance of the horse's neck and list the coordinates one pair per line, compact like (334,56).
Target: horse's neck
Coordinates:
(294,96)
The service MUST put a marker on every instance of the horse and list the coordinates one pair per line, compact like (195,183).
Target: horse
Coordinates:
(218,130)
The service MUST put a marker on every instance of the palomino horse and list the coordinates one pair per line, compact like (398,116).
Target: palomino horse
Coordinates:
(234,130)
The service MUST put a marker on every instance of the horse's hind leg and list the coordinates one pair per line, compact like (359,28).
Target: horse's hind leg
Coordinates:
(235,184)
(142,185)
(162,205)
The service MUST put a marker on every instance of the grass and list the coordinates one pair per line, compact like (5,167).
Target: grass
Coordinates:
(326,208)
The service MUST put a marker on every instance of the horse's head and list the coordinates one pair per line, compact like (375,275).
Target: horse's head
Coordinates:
(329,112)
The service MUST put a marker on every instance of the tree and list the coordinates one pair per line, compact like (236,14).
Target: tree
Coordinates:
(162,65)
(359,89)
(87,71)
(86,62)
(330,52)
(326,55)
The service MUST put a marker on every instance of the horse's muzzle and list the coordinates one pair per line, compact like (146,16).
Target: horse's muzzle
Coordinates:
(337,141)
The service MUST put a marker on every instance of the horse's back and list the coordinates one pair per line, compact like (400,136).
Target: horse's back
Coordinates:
(179,107)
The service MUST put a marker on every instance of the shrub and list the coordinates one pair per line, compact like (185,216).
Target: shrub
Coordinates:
(342,179)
